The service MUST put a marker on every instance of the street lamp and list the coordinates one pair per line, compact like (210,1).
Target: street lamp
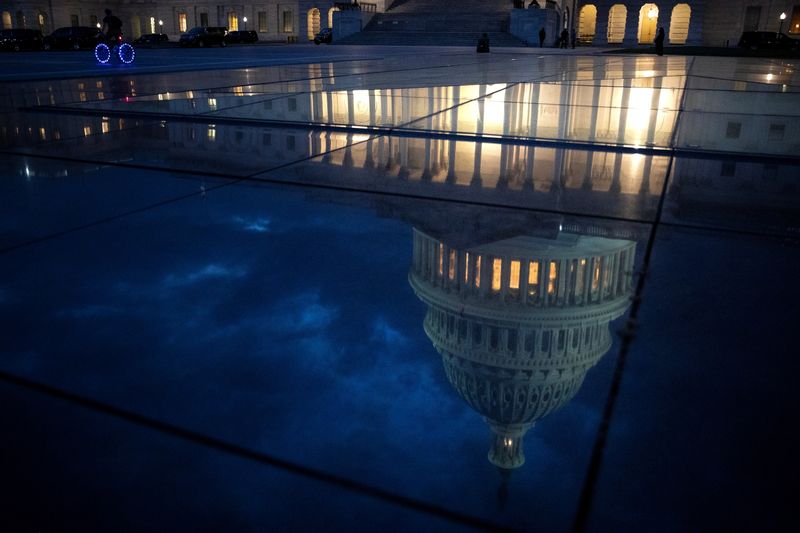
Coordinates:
(99,26)
(245,23)
(160,26)
(782,17)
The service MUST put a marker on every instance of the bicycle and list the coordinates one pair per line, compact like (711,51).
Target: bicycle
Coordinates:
(124,51)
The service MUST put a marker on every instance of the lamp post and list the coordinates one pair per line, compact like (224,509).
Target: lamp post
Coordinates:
(782,17)
(160,26)
(245,23)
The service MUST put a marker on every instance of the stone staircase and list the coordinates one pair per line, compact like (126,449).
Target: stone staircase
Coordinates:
(440,23)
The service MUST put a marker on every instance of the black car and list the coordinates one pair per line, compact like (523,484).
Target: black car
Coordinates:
(768,40)
(73,38)
(152,38)
(241,37)
(20,39)
(204,36)
(325,35)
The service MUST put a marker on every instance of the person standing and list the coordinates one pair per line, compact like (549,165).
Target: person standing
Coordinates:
(542,35)
(573,37)
(659,41)
(564,38)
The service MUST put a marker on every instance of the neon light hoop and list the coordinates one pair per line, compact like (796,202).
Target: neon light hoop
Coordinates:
(126,53)
(102,53)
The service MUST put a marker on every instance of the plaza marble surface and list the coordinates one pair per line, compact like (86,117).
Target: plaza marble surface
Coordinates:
(418,261)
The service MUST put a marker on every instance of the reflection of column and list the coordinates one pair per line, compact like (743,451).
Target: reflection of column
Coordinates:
(534,109)
(623,111)
(595,109)
(351,108)
(654,101)
(347,161)
(648,164)
(372,111)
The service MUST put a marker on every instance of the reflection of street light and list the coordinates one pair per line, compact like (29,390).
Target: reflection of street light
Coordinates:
(782,17)
(160,26)
(245,23)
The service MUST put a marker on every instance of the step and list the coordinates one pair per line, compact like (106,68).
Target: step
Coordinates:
(498,39)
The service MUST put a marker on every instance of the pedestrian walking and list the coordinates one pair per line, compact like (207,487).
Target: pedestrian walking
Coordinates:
(659,41)
(542,35)
(483,44)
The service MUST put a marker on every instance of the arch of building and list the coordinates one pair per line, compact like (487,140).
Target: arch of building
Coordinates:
(587,23)
(331,11)
(314,23)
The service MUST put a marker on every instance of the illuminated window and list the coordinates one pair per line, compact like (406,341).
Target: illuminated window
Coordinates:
(478,272)
(152,24)
(233,21)
(451,265)
(262,20)
(212,103)
(466,267)
(441,259)
(87,130)
(513,281)
(42,134)
(579,277)
(596,274)
(288,23)
(6,20)
(587,22)
(552,277)
(794,22)
(616,23)
(104,126)
(533,278)
(497,269)
(679,24)
(212,133)
(182,23)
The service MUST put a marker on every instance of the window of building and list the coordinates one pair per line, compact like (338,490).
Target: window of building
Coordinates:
(42,19)
(233,21)
(466,267)
(152,24)
(679,24)
(6,20)
(292,104)
(478,272)
(204,19)
(287,24)
(533,278)
(20,19)
(93,21)
(733,130)
(262,21)
(728,169)
(776,132)
(552,277)
(74,21)
(451,265)
(182,22)
(267,139)
(587,23)
(497,269)
(752,16)
(513,280)
(441,259)
(794,22)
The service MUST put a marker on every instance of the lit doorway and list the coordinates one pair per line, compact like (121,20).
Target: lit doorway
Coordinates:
(679,24)
(587,22)
(313,23)
(648,23)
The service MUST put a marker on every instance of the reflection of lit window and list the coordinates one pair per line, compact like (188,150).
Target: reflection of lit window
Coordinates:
(596,274)
(441,259)
(212,103)
(182,22)
(87,130)
(579,277)
(497,269)
(466,267)
(212,133)
(551,278)
(533,278)
(42,134)
(451,266)
(478,272)
(104,126)
(513,282)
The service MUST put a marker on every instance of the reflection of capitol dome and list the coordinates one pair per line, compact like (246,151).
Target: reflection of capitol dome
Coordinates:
(520,321)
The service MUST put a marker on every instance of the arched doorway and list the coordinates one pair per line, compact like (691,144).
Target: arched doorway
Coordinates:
(648,23)
(313,23)
(42,19)
(616,23)
(587,23)
(6,20)
(679,24)
(330,16)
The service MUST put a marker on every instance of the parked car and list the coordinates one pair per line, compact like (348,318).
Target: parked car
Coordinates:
(152,38)
(204,36)
(19,39)
(325,35)
(241,37)
(768,40)
(73,38)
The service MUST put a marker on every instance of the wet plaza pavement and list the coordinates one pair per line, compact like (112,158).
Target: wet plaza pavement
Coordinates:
(401,292)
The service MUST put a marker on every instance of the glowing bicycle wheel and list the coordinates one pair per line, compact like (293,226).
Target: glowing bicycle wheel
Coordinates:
(102,53)
(126,53)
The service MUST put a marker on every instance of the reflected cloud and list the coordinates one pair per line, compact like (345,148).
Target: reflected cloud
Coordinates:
(258,224)
(208,272)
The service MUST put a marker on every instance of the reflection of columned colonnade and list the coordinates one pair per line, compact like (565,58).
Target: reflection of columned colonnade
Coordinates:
(520,321)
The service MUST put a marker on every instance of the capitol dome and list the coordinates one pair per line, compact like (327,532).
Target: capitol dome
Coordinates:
(520,321)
